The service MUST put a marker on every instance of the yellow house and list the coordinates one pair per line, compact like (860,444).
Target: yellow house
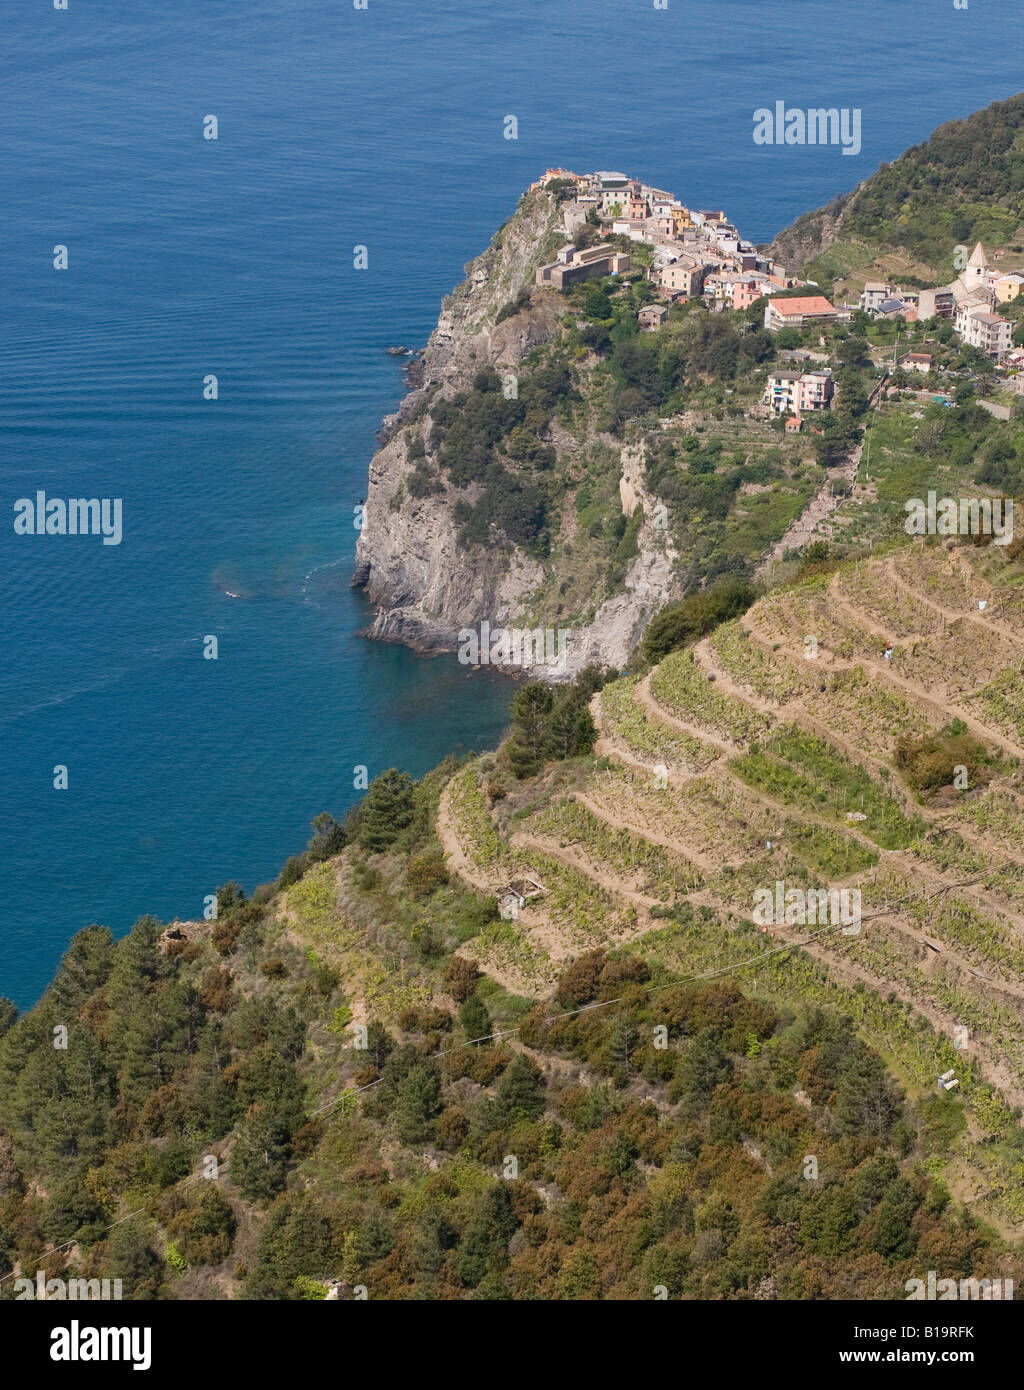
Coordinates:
(681,220)
(1008,286)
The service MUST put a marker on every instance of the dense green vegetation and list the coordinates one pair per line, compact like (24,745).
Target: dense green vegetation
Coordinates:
(695,616)
(964,184)
(551,722)
(487,437)
(719,1147)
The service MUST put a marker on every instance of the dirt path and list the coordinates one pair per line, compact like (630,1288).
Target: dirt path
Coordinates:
(935,700)
(944,818)
(913,867)
(952,615)
(994,1069)
(608,746)
(618,822)
(706,659)
(611,883)
(824,502)
(453,851)
(930,878)
(946,705)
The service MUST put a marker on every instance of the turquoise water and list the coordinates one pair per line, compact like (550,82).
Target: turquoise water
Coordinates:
(337,127)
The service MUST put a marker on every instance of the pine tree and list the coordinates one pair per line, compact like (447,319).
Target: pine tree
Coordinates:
(418,1103)
(259,1155)
(329,838)
(386,810)
(519,1093)
(475,1019)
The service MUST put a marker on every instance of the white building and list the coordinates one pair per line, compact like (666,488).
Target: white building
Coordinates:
(874,295)
(986,332)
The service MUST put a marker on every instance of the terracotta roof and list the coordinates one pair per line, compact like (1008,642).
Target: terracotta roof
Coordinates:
(813,304)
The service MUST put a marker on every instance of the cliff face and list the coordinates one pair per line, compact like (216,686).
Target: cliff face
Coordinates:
(424,583)
(810,235)
(649,584)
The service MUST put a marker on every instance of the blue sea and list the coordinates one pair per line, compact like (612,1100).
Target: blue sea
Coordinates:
(338,127)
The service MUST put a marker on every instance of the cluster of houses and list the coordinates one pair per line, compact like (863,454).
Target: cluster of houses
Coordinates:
(698,252)
(970,301)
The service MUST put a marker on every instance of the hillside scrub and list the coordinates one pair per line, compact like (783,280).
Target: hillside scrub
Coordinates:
(679,624)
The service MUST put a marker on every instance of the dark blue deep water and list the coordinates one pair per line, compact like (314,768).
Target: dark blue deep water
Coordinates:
(337,127)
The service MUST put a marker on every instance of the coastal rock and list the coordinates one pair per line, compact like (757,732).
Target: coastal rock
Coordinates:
(424,583)
(810,235)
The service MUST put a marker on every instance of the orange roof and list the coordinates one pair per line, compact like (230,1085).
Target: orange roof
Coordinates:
(813,304)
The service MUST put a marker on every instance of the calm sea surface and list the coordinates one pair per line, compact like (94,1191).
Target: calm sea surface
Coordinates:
(337,127)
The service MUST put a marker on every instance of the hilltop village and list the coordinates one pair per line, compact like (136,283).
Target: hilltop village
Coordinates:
(699,254)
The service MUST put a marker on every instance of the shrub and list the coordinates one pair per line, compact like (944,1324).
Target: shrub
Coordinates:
(696,615)
(225,935)
(425,874)
(204,1229)
(460,978)
(215,991)
(580,983)
(293,870)
(930,762)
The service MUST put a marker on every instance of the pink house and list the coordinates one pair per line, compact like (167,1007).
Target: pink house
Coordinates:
(814,392)
(661,216)
(745,291)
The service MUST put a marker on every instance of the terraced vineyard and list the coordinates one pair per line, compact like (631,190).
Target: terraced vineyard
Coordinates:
(657,871)
(870,714)
(684,690)
(773,678)
(1001,703)
(741,765)
(625,723)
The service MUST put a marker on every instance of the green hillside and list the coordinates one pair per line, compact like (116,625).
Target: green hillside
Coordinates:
(965,184)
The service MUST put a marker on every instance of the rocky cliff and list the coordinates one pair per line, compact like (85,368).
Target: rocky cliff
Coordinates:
(810,235)
(425,583)
(408,559)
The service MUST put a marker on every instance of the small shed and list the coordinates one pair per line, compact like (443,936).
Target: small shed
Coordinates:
(516,894)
